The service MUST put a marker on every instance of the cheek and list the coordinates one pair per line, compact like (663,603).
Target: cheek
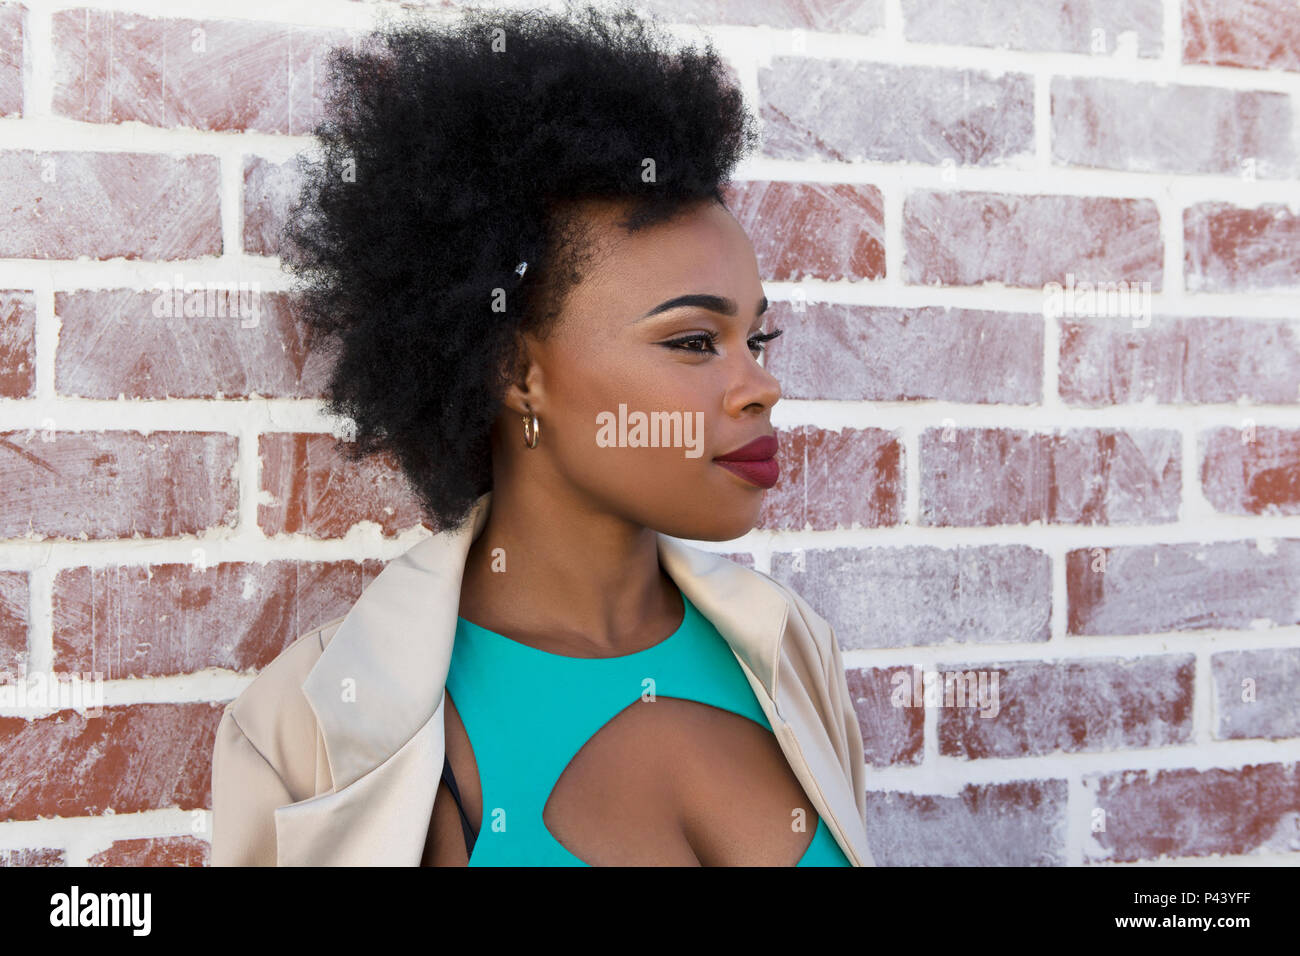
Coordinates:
(645,426)
(646,444)
(656,469)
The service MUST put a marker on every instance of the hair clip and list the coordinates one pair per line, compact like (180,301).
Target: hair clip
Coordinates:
(521,269)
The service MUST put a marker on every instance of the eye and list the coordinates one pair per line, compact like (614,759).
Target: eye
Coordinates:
(762,337)
(710,340)
(707,339)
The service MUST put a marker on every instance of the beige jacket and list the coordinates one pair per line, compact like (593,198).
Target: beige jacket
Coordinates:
(333,754)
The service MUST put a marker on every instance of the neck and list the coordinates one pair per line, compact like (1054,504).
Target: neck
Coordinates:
(552,562)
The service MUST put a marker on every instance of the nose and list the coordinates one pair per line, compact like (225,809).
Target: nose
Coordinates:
(754,386)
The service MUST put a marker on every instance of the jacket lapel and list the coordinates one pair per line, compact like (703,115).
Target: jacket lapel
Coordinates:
(376,691)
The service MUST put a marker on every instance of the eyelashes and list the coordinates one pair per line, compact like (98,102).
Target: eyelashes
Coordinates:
(711,339)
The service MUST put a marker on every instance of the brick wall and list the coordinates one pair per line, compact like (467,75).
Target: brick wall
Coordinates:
(1096,501)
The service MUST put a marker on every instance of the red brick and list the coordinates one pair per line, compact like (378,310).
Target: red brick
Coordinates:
(1251,470)
(861,16)
(17,344)
(835,479)
(1087,476)
(1150,589)
(1231,249)
(1180,361)
(133,758)
(969,238)
(12,16)
(145,205)
(1070,706)
(96,485)
(172,619)
(923,596)
(1269,711)
(1068,26)
(827,109)
(892,736)
(1184,129)
(15,613)
(249,75)
(46,856)
(154,851)
(1255,34)
(812,230)
(1020,823)
(886,354)
(239,343)
(317,492)
(269,191)
(1187,812)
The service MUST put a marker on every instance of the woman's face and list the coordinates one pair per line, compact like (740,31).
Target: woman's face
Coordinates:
(635,401)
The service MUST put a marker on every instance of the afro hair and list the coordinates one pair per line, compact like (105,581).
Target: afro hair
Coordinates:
(451,154)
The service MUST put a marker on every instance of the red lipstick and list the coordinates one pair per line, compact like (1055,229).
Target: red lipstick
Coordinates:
(755,461)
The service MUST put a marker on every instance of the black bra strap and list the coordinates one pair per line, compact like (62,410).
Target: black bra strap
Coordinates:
(455,795)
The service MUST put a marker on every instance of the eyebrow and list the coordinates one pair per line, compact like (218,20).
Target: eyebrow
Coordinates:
(714,303)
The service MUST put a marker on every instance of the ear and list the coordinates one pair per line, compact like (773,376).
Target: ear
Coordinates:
(523,388)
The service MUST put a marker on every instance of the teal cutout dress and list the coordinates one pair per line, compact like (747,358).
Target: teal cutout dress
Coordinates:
(528,712)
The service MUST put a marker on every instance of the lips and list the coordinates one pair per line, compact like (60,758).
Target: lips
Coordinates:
(755,462)
(757,450)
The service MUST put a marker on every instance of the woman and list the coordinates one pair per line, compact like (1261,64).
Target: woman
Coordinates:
(538,303)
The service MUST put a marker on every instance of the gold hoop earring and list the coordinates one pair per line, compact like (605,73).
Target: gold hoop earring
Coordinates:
(532,429)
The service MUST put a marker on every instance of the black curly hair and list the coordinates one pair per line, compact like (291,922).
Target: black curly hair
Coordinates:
(452,153)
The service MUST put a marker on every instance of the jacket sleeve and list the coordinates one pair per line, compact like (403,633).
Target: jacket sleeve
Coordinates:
(246,789)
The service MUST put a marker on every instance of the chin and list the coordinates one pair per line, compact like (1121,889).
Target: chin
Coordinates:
(723,523)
